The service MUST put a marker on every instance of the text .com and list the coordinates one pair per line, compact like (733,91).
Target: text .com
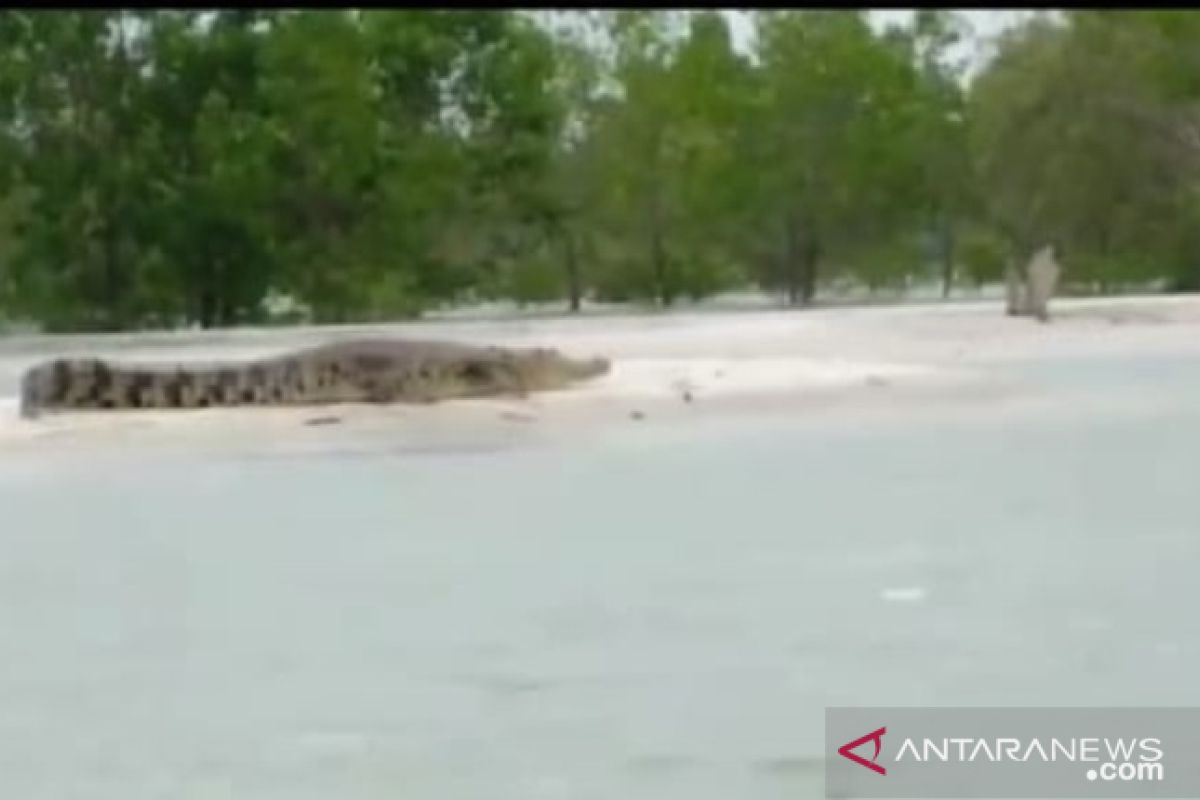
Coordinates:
(1114,758)
(1127,771)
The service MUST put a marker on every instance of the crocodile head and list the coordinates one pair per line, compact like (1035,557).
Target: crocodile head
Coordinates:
(541,369)
(494,371)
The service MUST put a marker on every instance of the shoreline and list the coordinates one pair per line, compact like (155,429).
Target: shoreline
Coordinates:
(819,364)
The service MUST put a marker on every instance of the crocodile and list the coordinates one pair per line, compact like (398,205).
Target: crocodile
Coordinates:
(356,371)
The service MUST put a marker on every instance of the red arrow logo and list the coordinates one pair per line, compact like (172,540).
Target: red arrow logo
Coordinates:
(873,736)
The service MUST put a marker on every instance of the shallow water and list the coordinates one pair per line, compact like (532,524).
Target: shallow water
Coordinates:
(661,612)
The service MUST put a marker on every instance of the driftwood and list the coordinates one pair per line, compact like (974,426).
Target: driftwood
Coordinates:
(1029,291)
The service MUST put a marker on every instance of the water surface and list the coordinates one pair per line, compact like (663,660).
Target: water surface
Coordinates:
(663,612)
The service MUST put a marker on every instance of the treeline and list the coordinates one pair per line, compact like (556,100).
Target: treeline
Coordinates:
(172,167)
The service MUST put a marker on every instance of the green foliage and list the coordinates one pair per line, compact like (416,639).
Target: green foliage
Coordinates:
(177,167)
(672,184)
(984,256)
(1081,135)
(535,279)
(839,150)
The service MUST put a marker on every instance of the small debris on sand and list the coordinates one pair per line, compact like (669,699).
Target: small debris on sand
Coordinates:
(315,421)
(635,414)
(876,381)
(514,416)
(684,387)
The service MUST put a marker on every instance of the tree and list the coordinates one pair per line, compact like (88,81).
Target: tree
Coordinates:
(946,184)
(1065,156)
(517,120)
(631,135)
(209,177)
(71,92)
(667,151)
(320,100)
(835,101)
(574,182)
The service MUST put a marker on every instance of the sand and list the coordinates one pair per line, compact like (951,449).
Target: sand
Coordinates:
(679,369)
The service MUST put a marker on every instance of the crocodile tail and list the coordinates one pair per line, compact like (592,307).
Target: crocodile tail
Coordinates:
(96,384)
(197,388)
(45,386)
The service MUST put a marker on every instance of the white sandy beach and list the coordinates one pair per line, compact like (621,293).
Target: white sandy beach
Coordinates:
(667,368)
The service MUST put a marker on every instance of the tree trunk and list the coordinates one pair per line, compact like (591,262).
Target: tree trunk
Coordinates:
(206,311)
(574,283)
(791,260)
(947,247)
(207,298)
(1014,285)
(811,257)
(658,259)
(112,288)
(1192,281)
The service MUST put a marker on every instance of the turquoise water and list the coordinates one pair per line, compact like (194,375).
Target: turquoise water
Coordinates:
(658,613)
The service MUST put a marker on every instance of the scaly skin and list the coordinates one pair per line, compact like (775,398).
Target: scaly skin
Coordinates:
(361,371)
